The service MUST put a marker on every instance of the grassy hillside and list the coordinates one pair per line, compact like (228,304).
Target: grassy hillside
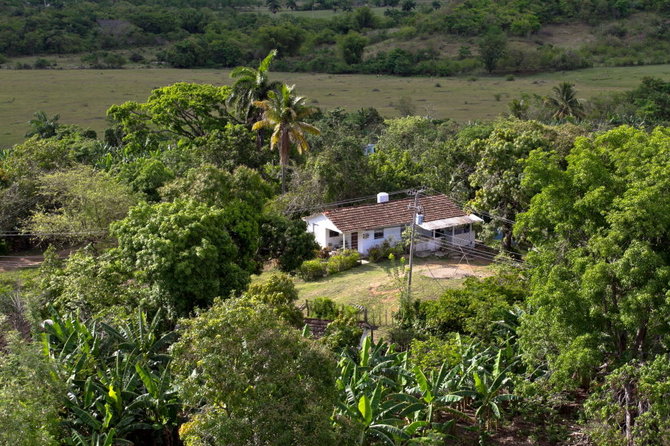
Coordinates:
(83,96)
(372,286)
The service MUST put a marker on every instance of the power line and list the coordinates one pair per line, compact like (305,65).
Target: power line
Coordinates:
(49,234)
(463,204)
(470,249)
(344,202)
(474,252)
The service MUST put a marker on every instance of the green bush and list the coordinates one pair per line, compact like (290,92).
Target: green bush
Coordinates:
(29,395)
(383,251)
(342,333)
(473,309)
(41,64)
(347,259)
(402,337)
(323,308)
(431,353)
(312,270)
(279,293)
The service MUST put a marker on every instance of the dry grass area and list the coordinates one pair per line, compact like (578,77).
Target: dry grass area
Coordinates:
(83,96)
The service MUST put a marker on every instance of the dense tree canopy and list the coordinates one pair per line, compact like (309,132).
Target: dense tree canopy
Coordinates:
(184,249)
(600,231)
(236,343)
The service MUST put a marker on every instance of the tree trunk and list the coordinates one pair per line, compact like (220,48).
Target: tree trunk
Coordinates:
(507,239)
(628,396)
(283,156)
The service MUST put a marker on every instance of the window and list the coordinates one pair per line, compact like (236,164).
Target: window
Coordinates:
(379,234)
(462,229)
(332,233)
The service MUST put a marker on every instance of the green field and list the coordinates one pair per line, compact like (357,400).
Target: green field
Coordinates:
(373,286)
(83,96)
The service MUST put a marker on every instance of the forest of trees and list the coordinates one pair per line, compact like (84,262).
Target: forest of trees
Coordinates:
(151,332)
(360,40)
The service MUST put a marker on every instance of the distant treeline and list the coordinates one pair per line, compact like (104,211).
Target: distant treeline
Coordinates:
(214,33)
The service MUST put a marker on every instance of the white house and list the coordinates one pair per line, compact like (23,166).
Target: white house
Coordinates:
(440,224)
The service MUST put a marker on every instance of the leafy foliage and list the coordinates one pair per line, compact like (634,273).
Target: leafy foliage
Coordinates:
(167,242)
(631,406)
(29,396)
(287,241)
(391,401)
(236,343)
(118,385)
(478,309)
(279,293)
(78,205)
(600,265)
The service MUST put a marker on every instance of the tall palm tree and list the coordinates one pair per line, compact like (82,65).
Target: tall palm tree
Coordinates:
(283,111)
(251,84)
(564,102)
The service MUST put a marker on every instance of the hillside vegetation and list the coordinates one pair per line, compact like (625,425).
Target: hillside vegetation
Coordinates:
(404,38)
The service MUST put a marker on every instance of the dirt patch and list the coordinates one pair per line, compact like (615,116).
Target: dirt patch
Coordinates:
(454,270)
(12,263)
(25,260)
(571,36)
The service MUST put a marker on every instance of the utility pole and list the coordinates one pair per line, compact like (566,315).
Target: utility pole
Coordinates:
(416,208)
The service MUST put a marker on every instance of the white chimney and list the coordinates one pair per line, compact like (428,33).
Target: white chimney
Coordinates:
(382,197)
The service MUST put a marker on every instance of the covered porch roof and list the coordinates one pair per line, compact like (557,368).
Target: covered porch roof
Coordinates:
(449,222)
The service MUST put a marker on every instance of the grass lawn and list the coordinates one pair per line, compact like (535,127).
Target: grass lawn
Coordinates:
(372,284)
(83,96)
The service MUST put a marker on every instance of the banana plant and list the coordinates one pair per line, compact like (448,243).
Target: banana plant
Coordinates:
(117,378)
(437,391)
(490,392)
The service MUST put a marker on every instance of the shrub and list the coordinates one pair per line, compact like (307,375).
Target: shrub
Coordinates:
(279,293)
(402,337)
(347,259)
(312,270)
(474,309)
(293,391)
(433,352)
(323,308)
(41,64)
(644,388)
(383,251)
(29,395)
(342,333)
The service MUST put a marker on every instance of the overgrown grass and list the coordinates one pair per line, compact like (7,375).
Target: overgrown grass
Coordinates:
(18,279)
(82,96)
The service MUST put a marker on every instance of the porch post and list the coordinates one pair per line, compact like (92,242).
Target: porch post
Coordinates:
(344,241)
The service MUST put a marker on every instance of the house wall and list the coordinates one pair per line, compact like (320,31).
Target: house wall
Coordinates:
(319,225)
(393,234)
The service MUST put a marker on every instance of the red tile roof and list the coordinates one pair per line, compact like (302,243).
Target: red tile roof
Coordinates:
(392,213)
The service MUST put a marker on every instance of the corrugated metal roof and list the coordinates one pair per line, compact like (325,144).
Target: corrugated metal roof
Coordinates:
(392,213)
(449,222)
